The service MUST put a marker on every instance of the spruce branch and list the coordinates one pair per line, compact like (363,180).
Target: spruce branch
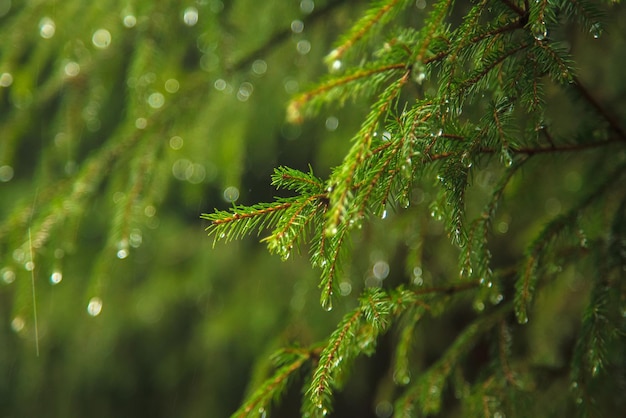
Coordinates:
(426,392)
(595,104)
(342,180)
(539,249)
(378,14)
(337,87)
(511,5)
(271,390)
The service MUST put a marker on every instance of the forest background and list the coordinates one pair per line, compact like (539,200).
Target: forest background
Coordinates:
(122,122)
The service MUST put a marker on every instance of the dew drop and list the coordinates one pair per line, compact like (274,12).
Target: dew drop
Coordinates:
(190,16)
(307,6)
(156,100)
(141,123)
(332,123)
(94,307)
(129,21)
(522,317)
(327,304)
(539,30)
(259,67)
(596,30)
(506,157)
(47,28)
(8,275)
(172,85)
(122,249)
(336,65)
(6,79)
(17,324)
(479,306)
(56,277)
(331,231)
(297,26)
(381,270)
(402,377)
(231,194)
(72,69)
(245,91)
(303,47)
(101,38)
(6,173)
(466,160)
(383,215)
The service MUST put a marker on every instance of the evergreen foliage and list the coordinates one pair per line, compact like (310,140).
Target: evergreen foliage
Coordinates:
(468,243)
(449,101)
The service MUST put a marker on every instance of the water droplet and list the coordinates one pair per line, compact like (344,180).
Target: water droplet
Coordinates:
(331,231)
(8,275)
(297,26)
(156,100)
(466,160)
(506,157)
(141,123)
(496,299)
(135,238)
(6,79)
(595,370)
(259,67)
(539,30)
(190,16)
(479,305)
(17,324)
(420,4)
(307,6)
(402,377)
(172,85)
(419,73)
(384,409)
(176,142)
(47,28)
(336,65)
(220,84)
(596,30)
(327,303)
(331,123)
(129,21)
(71,69)
(122,249)
(466,272)
(101,38)
(6,173)
(29,265)
(94,307)
(231,194)
(56,277)
(245,91)
(383,215)
(381,270)
(522,317)
(345,288)
(303,47)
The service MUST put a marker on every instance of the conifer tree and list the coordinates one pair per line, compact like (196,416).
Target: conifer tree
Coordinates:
(449,192)
(450,103)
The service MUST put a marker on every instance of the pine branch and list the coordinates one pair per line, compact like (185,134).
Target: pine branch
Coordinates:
(535,254)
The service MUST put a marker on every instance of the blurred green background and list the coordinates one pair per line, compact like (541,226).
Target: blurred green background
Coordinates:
(120,123)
